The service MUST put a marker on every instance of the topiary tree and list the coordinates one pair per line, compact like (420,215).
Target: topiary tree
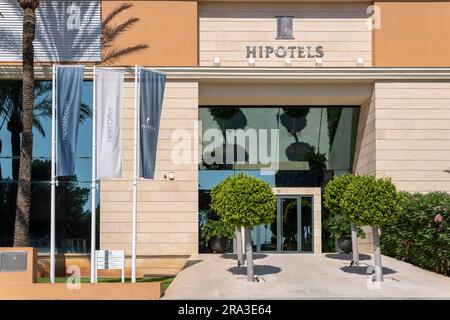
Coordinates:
(332,197)
(244,201)
(374,202)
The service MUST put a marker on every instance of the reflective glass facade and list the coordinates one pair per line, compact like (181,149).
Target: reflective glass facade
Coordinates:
(314,143)
(73,203)
(308,144)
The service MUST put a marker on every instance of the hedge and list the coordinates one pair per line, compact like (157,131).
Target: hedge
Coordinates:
(421,234)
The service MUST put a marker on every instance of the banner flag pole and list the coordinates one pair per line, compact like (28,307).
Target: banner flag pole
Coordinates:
(94,175)
(53,179)
(135,178)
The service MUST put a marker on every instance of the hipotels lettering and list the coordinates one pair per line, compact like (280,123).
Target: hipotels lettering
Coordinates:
(302,52)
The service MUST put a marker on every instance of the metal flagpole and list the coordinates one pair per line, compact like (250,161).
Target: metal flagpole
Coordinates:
(94,175)
(53,179)
(135,178)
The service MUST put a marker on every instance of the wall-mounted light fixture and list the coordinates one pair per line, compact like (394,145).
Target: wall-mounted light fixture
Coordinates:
(318,62)
(251,62)
(170,175)
(360,62)
(217,61)
(288,62)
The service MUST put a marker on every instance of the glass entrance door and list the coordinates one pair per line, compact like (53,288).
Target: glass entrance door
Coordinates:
(288,212)
(291,231)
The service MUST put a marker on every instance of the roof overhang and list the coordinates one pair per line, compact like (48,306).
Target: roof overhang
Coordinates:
(256,74)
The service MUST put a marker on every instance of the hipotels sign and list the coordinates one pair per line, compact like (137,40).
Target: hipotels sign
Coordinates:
(285,30)
(267,52)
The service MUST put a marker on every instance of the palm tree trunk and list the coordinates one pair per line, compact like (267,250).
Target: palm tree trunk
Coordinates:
(22,224)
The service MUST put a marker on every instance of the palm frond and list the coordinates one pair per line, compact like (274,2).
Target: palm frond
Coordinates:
(117,10)
(42,88)
(109,34)
(38,126)
(43,109)
(113,54)
(85,112)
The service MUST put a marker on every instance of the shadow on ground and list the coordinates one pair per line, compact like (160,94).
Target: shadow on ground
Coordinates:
(365,270)
(232,256)
(190,263)
(347,256)
(259,270)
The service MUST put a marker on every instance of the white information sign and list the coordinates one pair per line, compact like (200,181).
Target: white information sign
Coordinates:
(110,260)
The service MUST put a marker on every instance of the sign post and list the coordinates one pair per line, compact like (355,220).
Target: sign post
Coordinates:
(109,260)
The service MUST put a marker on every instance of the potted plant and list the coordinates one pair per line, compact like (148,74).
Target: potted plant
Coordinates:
(245,201)
(217,234)
(338,225)
(369,201)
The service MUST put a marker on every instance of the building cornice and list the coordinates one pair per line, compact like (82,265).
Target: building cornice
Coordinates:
(261,74)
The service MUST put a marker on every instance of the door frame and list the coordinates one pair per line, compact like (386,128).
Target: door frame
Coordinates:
(280,222)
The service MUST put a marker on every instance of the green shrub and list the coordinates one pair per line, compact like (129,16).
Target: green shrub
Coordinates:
(338,225)
(371,201)
(332,195)
(216,229)
(243,200)
(421,235)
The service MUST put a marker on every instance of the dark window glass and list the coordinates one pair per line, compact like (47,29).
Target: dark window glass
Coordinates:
(206,214)
(306,227)
(73,203)
(314,143)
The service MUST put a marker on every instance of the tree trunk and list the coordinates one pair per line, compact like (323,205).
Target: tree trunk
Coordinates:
(22,223)
(240,255)
(355,260)
(377,254)
(249,255)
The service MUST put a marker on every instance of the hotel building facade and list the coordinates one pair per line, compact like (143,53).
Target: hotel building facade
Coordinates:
(349,86)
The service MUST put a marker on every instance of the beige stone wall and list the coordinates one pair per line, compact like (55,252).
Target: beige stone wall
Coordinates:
(167,210)
(147,265)
(364,160)
(226,28)
(413,134)
(404,133)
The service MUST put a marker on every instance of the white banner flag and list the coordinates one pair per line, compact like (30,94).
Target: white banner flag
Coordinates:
(109,108)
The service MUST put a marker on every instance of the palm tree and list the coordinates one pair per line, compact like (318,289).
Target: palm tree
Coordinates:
(22,223)
(11,113)
(22,120)
(111,32)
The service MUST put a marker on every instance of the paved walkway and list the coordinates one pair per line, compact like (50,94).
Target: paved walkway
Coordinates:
(303,276)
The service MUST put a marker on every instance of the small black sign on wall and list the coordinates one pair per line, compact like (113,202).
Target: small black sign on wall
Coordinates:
(285,27)
(13,261)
